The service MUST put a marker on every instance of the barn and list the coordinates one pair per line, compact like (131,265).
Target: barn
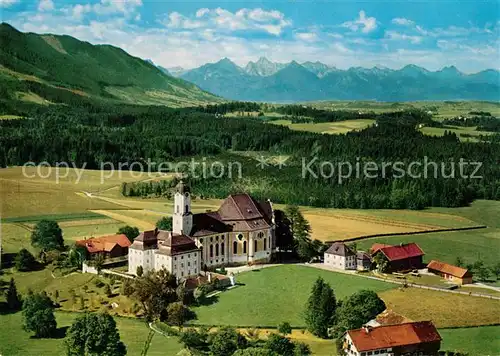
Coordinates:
(401,257)
(449,272)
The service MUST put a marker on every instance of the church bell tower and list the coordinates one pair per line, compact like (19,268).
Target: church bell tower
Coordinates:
(182,219)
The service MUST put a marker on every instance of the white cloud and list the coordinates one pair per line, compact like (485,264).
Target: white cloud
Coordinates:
(272,22)
(363,23)
(79,10)
(396,36)
(8,3)
(45,5)
(306,36)
(402,21)
(178,46)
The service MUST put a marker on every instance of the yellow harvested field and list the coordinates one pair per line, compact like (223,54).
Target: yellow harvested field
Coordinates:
(444,309)
(116,215)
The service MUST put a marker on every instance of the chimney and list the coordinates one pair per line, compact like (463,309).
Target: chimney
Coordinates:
(367,328)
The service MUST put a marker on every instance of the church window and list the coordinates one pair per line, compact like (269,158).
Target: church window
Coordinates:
(260,235)
(186,195)
(201,241)
(216,249)
(244,247)
(186,209)
(177,208)
(255,246)
(211,239)
(222,250)
(216,238)
(265,244)
(211,250)
(235,248)
(240,237)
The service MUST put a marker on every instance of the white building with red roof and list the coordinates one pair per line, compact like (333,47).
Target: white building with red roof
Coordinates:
(241,231)
(414,338)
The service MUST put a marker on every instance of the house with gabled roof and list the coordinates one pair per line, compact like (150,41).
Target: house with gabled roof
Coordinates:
(241,231)
(108,246)
(400,257)
(341,256)
(413,338)
(449,272)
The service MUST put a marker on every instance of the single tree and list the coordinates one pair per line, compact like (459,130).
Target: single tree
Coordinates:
(155,291)
(107,290)
(358,309)
(194,339)
(224,341)
(12,296)
(130,231)
(94,334)
(320,309)
(47,236)
(139,271)
(495,270)
(177,314)
(165,223)
(38,315)
(284,328)
(301,349)
(280,345)
(200,293)
(381,262)
(25,261)
(98,262)
(459,262)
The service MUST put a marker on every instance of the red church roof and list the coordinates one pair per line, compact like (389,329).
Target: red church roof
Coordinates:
(401,252)
(415,333)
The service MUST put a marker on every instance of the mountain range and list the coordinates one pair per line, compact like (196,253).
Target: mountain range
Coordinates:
(45,69)
(265,80)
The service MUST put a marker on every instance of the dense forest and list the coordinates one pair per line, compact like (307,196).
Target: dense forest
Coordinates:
(152,135)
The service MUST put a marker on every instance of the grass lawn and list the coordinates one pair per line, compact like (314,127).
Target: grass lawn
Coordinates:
(444,309)
(272,295)
(458,130)
(471,245)
(339,127)
(30,194)
(15,341)
(481,340)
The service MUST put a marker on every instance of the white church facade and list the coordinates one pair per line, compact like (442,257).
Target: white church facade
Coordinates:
(241,231)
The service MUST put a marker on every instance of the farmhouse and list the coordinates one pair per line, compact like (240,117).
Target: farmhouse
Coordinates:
(449,272)
(339,255)
(415,338)
(241,231)
(400,257)
(107,246)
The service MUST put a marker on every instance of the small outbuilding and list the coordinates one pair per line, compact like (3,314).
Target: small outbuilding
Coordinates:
(449,272)
(363,261)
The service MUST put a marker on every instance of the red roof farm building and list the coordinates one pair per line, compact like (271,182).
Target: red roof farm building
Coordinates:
(415,338)
(109,246)
(400,257)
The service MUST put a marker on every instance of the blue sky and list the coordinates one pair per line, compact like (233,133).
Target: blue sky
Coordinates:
(433,33)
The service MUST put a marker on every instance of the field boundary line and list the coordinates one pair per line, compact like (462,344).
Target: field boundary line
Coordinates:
(407,284)
(365,237)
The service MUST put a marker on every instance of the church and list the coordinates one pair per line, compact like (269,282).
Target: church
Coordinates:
(241,231)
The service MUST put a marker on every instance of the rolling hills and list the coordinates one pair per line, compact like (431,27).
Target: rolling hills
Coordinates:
(49,69)
(267,81)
